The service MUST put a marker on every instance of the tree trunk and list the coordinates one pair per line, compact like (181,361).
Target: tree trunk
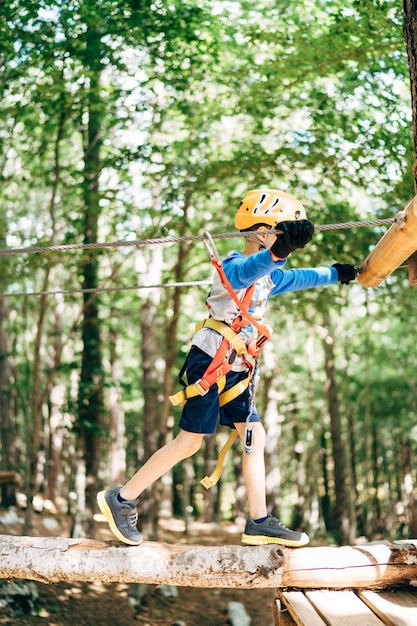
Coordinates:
(149,263)
(172,320)
(313,520)
(7,423)
(56,400)
(117,452)
(409,524)
(341,516)
(410,36)
(34,433)
(91,378)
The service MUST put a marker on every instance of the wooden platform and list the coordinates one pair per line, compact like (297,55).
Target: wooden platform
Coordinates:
(392,607)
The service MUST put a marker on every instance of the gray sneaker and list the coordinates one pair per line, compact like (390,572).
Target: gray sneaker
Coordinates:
(272,531)
(121,516)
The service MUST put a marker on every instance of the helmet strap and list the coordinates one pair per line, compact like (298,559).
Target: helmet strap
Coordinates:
(254,237)
(264,240)
(269,240)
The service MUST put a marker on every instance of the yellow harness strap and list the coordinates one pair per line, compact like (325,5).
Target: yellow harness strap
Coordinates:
(235,391)
(225,397)
(210,481)
(235,340)
(236,343)
(181,397)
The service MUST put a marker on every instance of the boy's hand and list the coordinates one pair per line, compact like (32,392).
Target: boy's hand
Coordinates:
(345,272)
(294,235)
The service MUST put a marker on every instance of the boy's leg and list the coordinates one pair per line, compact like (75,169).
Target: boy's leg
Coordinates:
(119,504)
(262,528)
(183,446)
(253,467)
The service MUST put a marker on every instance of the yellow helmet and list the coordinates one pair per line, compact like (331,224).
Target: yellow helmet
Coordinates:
(268,206)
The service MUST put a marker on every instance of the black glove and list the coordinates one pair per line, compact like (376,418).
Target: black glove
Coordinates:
(345,272)
(294,235)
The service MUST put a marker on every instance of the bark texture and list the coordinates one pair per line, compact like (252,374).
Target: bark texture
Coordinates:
(56,559)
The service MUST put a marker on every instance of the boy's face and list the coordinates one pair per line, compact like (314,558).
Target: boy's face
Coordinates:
(264,240)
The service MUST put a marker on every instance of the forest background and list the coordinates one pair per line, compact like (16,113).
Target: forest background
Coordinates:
(133,120)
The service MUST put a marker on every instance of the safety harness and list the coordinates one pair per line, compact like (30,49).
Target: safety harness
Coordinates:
(232,344)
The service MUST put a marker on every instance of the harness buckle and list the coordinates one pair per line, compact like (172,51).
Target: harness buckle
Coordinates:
(199,387)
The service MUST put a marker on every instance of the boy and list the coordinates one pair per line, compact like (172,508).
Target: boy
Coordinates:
(260,263)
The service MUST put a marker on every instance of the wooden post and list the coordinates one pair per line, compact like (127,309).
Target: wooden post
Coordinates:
(412,269)
(395,247)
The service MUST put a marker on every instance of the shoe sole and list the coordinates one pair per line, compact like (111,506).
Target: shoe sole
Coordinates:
(105,509)
(263,540)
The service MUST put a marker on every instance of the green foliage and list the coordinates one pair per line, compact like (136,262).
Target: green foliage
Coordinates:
(199,102)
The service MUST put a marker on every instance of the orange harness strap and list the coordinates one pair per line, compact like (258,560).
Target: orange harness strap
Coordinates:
(264,331)
(231,344)
(221,364)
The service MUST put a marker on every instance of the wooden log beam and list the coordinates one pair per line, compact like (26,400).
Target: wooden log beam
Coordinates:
(57,559)
(395,247)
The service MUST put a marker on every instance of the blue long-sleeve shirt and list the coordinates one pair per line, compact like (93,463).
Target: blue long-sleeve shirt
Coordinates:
(243,271)
(270,280)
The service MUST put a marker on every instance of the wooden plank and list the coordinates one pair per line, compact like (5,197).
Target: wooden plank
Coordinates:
(395,247)
(342,608)
(395,607)
(276,612)
(369,566)
(282,616)
(301,610)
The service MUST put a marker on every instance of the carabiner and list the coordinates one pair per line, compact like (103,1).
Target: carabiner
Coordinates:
(211,247)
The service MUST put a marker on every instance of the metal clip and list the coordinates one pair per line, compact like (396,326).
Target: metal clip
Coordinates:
(199,388)
(400,219)
(211,247)
(248,440)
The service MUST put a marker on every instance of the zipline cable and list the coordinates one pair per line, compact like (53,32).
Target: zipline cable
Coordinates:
(65,292)
(165,240)
(159,240)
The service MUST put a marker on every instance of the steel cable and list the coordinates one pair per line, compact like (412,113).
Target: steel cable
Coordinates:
(165,240)
(154,241)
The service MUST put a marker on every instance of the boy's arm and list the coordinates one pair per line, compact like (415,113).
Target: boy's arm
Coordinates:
(299,279)
(243,271)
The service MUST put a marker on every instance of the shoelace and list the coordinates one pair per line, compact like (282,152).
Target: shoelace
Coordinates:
(275,522)
(131,517)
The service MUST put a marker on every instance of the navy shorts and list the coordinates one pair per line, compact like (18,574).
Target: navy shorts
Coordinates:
(201,413)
